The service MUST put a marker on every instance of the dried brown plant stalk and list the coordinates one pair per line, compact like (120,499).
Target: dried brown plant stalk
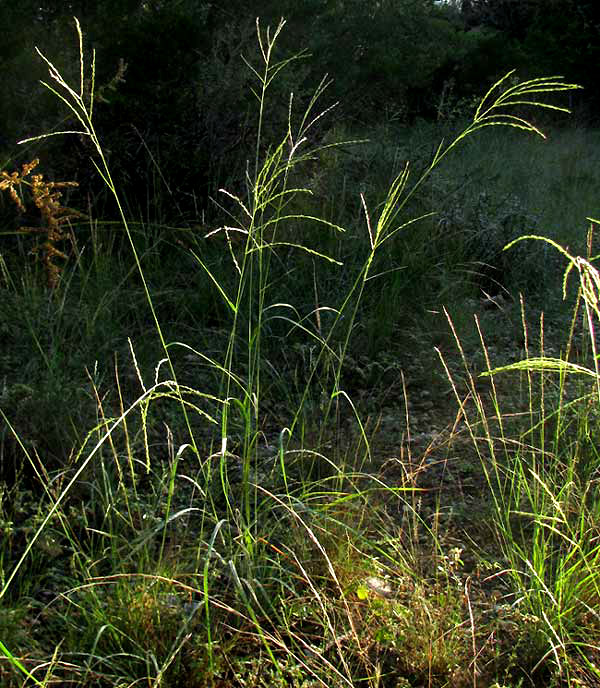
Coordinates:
(46,198)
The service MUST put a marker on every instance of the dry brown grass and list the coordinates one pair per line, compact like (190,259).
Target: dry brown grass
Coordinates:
(54,217)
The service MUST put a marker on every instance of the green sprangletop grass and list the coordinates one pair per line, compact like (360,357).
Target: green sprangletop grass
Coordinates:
(191,565)
(543,476)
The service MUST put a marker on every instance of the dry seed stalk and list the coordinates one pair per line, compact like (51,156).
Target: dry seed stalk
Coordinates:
(45,197)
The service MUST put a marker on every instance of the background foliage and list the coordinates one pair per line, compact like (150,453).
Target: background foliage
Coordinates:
(184,97)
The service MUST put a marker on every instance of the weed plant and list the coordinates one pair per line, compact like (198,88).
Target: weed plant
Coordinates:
(194,539)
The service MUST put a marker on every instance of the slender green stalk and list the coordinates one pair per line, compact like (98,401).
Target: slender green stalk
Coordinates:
(81,105)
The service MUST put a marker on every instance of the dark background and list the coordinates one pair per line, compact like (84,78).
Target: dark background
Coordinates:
(186,94)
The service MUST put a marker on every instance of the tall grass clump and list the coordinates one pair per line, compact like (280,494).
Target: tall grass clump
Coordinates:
(201,557)
(542,466)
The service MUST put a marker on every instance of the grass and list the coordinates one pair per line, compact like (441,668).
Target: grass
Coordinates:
(542,473)
(237,492)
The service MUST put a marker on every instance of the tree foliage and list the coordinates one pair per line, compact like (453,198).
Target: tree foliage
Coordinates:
(558,36)
(184,104)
